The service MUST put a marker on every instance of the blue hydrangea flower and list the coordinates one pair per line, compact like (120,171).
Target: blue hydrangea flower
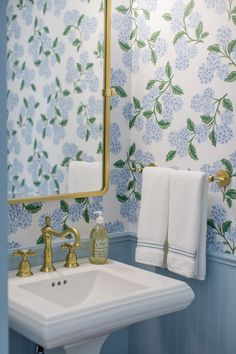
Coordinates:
(205,73)
(13,245)
(220,6)
(153,133)
(27,12)
(18,218)
(95,107)
(212,241)
(12,101)
(224,35)
(194,18)
(70,150)
(223,71)
(224,133)
(201,133)
(130,210)
(177,12)
(88,27)
(161,47)
(120,178)
(218,213)
(131,59)
(115,144)
(75,212)
(116,226)
(144,158)
(232,158)
(231,234)
(203,102)
(179,140)
(95,205)
(122,24)
(149,5)
(118,77)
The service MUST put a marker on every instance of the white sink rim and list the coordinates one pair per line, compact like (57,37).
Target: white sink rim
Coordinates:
(58,325)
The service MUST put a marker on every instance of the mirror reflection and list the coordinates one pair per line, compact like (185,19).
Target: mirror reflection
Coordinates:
(55,105)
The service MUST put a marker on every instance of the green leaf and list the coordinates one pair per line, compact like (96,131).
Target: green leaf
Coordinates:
(78,155)
(132,149)
(171,154)
(168,70)
(33,208)
(85,215)
(30,159)
(213,138)
(146,14)
(67,30)
(122,198)
(120,91)
(33,87)
(153,57)
(229,202)
(150,84)
(81,201)
(40,240)
(231,193)
(66,161)
(192,152)
(231,46)
(54,44)
(163,124)
(226,226)
(189,8)
(122,9)
(78,89)
(231,77)
(58,82)
(154,37)
(64,206)
(137,196)
(206,119)
(25,102)
(215,48)
(124,46)
(190,125)
(158,107)
(46,29)
(92,120)
(178,36)
(80,20)
(167,16)
(37,62)
(131,185)
(211,223)
(119,164)
(227,104)
(228,166)
(147,114)
(31,38)
(205,34)
(89,66)
(140,43)
(132,122)
(136,103)
(66,93)
(199,30)
(177,90)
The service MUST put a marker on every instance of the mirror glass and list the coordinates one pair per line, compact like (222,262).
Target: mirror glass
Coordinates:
(55,78)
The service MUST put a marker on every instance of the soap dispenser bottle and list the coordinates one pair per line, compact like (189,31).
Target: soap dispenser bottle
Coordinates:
(99,242)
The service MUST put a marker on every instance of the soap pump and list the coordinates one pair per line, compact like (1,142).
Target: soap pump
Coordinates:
(99,241)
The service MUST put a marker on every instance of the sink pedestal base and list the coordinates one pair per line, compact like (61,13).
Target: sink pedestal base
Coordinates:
(89,346)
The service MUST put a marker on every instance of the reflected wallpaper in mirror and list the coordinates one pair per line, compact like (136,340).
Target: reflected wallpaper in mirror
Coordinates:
(55,104)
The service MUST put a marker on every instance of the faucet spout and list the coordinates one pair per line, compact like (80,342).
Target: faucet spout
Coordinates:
(48,232)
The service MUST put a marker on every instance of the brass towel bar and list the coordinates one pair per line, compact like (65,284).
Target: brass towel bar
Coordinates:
(222,177)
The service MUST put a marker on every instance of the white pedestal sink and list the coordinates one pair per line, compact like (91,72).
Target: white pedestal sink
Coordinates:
(72,311)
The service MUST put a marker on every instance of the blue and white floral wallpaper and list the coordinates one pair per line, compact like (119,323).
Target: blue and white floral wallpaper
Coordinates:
(175,65)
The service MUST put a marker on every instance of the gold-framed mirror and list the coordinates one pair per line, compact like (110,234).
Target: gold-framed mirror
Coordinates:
(58,99)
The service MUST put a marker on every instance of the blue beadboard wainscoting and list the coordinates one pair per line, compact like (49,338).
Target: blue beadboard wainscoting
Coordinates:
(206,327)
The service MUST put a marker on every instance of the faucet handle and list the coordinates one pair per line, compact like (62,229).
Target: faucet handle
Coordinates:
(24,269)
(71,257)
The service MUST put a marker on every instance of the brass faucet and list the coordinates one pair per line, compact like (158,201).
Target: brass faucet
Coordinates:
(48,232)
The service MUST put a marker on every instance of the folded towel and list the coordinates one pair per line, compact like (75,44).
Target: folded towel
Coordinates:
(153,217)
(84,176)
(188,224)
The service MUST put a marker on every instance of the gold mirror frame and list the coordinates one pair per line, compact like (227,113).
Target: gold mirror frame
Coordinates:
(107,93)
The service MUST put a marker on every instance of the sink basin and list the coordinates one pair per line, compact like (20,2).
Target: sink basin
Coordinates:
(74,310)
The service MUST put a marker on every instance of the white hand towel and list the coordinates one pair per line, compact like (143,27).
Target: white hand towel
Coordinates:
(188,224)
(153,217)
(84,176)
